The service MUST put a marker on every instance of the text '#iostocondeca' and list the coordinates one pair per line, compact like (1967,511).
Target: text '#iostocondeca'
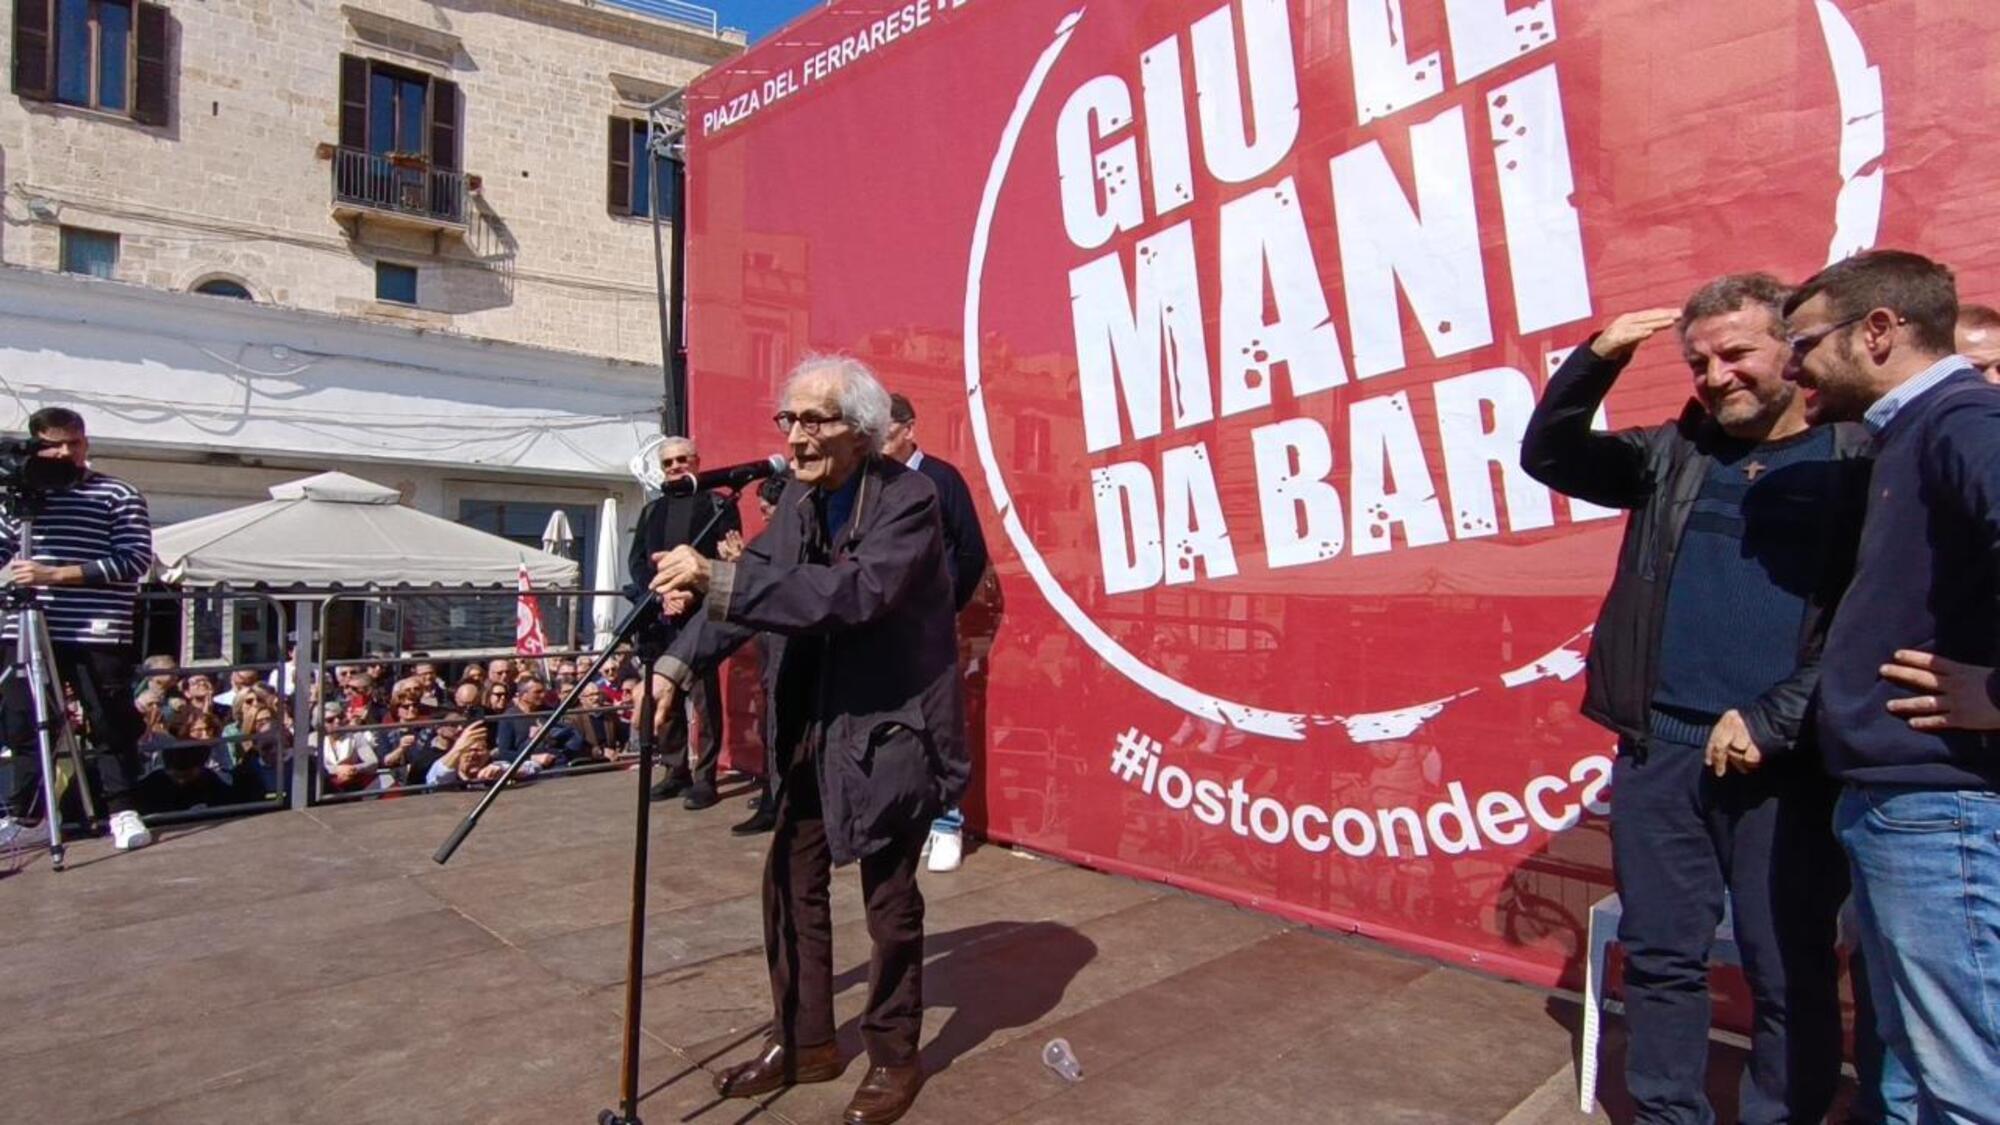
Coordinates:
(1454,825)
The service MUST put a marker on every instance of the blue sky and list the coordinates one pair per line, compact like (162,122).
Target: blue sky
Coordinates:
(759,17)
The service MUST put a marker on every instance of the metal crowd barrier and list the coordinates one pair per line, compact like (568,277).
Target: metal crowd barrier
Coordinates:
(466,638)
(221,631)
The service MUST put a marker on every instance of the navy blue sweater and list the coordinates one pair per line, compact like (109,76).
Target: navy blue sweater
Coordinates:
(1749,558)
(1925,580)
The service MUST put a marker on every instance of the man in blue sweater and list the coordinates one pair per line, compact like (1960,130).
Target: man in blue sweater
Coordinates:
(1703,659)
(1904,688)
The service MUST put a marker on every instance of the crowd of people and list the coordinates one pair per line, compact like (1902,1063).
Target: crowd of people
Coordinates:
(1798,654)
(380,725)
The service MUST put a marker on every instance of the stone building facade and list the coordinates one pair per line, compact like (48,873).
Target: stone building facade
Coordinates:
(432,217)
(240,182)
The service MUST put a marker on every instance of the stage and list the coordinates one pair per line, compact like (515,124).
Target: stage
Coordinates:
(317,967)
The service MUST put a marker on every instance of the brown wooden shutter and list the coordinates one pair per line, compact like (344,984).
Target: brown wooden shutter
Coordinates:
(34,55)
(621,166)
(444,124)
(149,103)
(353,103)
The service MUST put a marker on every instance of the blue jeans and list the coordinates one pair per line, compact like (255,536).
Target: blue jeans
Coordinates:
(1926,866)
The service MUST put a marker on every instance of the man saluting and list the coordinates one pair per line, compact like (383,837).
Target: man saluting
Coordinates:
(1741,535)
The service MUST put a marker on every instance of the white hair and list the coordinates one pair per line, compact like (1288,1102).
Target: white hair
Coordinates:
(676,441)
(864,403)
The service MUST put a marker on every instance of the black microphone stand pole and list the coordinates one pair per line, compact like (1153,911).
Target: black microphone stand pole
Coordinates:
(648,644)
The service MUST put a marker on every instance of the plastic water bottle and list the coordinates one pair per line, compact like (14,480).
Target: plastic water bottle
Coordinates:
(1057,1056)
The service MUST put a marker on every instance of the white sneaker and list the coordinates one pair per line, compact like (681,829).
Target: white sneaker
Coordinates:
(10,831)
(129,832)
(946,850)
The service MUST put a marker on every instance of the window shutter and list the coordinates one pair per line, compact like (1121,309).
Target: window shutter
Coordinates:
(353,103)
(34,63)
(444,124)
(149,105)
(621,166)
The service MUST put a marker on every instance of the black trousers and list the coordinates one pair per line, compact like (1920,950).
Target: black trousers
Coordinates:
(798,931)
(1680,838)
(101,676)
(705,697)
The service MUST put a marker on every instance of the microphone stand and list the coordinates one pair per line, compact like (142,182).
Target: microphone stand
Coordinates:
(648,646)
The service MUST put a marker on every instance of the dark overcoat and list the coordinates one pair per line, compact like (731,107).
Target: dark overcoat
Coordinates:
(887,704)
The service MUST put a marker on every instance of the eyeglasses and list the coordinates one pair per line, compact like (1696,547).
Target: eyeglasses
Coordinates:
(683,459)
(808,422)
(1803,343)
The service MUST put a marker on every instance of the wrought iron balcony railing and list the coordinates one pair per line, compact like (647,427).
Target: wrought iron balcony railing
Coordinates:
(404,186)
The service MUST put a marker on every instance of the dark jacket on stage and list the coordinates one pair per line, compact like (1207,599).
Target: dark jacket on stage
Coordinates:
(872,629)
(667,522)
(1656,472)
(965,541)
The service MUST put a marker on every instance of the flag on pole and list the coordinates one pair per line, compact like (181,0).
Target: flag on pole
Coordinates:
(528,637)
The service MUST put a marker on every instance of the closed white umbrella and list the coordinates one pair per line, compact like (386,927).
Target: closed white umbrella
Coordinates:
(557,537)
(607,609)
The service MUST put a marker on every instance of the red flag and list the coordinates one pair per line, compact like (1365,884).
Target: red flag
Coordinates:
(528,637)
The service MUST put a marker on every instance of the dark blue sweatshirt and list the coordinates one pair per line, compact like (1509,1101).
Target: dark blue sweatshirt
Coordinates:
(1925,579)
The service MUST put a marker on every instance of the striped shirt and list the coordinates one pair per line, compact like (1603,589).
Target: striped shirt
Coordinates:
(1884,410)
(101,525)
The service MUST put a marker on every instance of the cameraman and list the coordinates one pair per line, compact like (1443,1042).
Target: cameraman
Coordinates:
(93,543)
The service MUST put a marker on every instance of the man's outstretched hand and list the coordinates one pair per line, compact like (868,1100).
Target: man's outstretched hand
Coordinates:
(1625,333)
(682,568)
(1951,696)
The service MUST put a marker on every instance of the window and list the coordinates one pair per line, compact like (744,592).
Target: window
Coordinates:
(631,185)
(108,55)
(399,147)
(395,283)
(1031,444)
(91,252)
(523,521)
(223,287)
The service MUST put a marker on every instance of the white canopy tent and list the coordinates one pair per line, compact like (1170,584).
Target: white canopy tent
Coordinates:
(339,529)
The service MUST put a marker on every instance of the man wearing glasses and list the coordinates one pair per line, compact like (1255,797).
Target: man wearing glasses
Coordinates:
(1704,656)
(666,523)
(850,577)
(1907,697)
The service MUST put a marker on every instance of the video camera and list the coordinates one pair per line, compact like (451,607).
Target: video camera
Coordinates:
(26,476)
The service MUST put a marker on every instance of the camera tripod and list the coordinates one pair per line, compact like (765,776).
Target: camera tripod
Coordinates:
(34,658)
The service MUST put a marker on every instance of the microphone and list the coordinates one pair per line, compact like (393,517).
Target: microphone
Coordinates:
(734,476)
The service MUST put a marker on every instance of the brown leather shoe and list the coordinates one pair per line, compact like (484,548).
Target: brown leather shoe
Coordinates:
(774,1068)
(885,1095)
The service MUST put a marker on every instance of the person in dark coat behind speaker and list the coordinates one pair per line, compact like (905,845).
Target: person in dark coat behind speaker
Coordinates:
(965,556)
(668,522)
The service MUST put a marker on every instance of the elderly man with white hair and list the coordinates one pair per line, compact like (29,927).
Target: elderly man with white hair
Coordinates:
(850,577)
(668,522)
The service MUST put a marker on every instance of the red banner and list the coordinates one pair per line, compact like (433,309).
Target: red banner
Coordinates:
(1232,315)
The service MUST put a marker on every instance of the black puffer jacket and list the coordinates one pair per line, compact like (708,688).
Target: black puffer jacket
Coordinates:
(1656,472)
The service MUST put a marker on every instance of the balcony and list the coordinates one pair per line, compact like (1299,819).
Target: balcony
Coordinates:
(399,190)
